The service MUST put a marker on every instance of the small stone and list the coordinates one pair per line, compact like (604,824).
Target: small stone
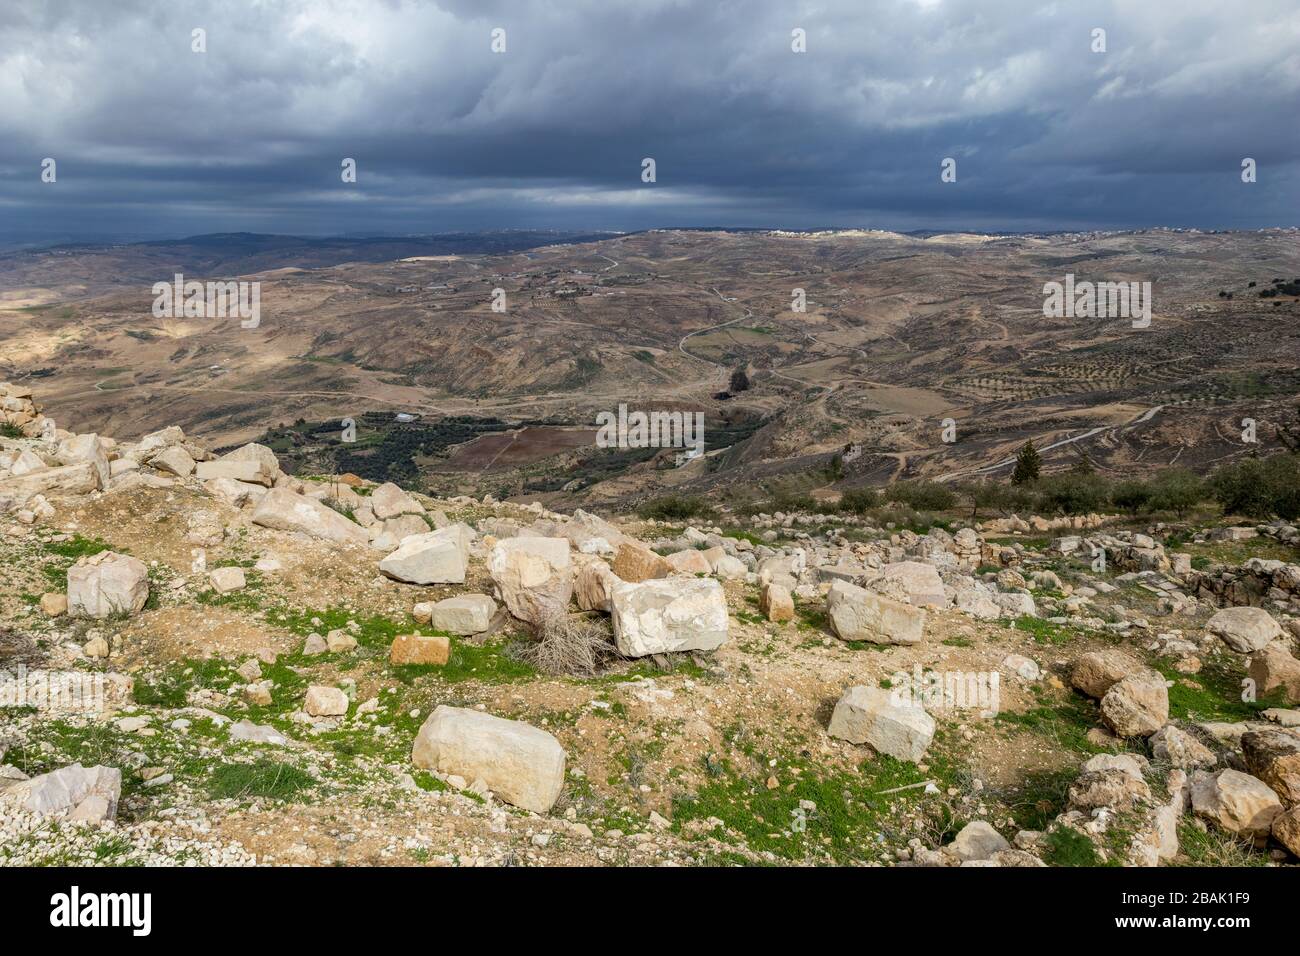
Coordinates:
(419,649)
(322,701)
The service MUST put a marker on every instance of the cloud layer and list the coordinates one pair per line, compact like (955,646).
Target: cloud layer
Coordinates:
(152,138)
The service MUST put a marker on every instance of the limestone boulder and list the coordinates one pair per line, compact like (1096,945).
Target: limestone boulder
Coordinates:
(1286,830)
(593,584)
(267,465)
(85,449)
(776,602)
(390,501)
(88,793)
(420,649)
(79,479)
(1244,629)
(323,701)
(533,575)
(871,715)
(429,558)
(107,584)
(857,614)
(521,764)
(464,614)
(227,580)
(1235,802)
(1275,668)
(666,615)
(174,460)
(634,562)
(916,579)
(1138,705)
(977,840)
(1274,757)
(285,510)
(1180,749)
(689,561)
(1096,672)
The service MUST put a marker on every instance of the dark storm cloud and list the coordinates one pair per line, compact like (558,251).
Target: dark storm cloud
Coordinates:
(153,138)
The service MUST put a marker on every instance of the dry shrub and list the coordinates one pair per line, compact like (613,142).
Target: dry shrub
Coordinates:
(577,645)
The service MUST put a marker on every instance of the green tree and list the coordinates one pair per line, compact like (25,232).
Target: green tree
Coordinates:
(982,495)
(858,500)
(739,380)
(1028,464)
(1176,490)
(1133,495)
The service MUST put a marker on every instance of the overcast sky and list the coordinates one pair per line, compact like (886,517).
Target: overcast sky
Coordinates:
(151,138)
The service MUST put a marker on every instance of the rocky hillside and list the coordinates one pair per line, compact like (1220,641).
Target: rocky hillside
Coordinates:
(206,660)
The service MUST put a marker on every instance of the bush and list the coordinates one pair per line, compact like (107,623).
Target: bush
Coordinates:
(987,495)
(674,508)
(1259,488)
(922,495)
(576,646)
(1071,493)
(858,500)
(1132,496)
(1176,490)
(788,501)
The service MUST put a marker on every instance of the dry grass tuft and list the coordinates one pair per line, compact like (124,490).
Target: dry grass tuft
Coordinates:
(569,644)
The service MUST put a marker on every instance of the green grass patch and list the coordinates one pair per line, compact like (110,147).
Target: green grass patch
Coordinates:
(1067,847)
(1043,631)
(852,820)
(1214,694)
(269,779)
(1065,723)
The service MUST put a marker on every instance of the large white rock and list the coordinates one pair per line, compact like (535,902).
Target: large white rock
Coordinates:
(85,448)
(859,615)
(391,532)
(25,462)
(593,584)
(78,479)
(107,583)
(464,614)
(284,510)
(226,580)
(96,789)
(728,568)
(870,715)
(1244,629)
(237,470)
(1138,705)
(325,701)
(389,501)
(977,840)
(663,615)
(919,581)
(268,466)
(430,558)
(521,764)
(1236,801)
(233,492)
(174,459)
(534,575)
